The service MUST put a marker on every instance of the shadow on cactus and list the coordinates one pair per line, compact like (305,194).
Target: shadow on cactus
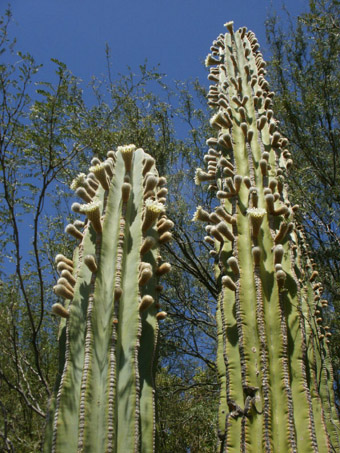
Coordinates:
(104,398)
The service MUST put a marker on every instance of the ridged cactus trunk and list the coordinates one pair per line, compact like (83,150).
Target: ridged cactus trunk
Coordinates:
(104,400)
(273,362)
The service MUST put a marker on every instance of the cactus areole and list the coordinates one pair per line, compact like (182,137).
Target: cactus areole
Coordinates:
(104,399)
(274,370)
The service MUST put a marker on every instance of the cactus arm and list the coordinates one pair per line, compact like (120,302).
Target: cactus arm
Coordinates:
(332,415)
(292,300)
(129,324)
(65,429)
(319,368)
(146,372)
(147,397)
(282,432)
(147,356)
(276,349)
(312,361)
(96,376)
(63,353)
(221,363)
(233,390)
(63,343)
(267,332)
(52,406)
(312,366)
(228,363)
(242,251)
(246,294)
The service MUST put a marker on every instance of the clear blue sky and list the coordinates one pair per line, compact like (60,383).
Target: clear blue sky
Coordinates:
(176,34)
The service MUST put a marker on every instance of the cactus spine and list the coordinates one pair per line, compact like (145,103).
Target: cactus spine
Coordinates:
(273,364)
(104,397)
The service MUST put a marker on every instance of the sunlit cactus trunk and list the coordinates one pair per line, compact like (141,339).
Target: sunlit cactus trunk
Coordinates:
(273,361)
(104,399)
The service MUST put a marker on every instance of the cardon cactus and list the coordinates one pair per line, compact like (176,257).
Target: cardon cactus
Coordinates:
(273,362)
(104,400)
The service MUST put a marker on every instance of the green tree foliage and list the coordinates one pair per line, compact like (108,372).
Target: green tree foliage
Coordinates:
(305,74)
(187,412)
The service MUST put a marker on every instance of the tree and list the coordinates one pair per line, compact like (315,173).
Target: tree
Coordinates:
(32,141)
(305,71)
(187,412)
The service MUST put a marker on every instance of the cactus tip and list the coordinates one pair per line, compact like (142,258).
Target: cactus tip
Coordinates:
(60,310)
(90,262)
(147,245)
(146,302)
(256,216)
(165,237)
(78,181)
(152,211)
(72,230)
(228,283)
(256,251)
(92,211)
(127,153)
(230,26)
(161,315)
(163,269)
(200,214)
(126,189)
(202,176)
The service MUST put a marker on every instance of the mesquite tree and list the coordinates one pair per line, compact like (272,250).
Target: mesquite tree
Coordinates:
(273,360)
(104,398)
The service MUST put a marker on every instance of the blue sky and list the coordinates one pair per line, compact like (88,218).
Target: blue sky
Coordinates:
(176,34)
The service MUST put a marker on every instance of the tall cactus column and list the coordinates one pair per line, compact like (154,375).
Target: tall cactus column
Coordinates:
(274,371)
(104,397)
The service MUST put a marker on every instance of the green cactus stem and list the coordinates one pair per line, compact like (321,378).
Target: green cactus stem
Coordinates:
(104,399)
(273,361)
